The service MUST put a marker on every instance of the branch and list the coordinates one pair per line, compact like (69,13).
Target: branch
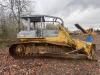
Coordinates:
(12,6)
(3,5)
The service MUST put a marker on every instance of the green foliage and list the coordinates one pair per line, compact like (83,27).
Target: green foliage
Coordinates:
(8,32)
(3,45)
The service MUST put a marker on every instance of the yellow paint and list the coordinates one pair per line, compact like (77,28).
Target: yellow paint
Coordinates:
(82,43)
(18,50)
(63,36)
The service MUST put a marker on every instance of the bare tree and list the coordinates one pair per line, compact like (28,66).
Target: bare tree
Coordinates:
(2,21)
(20,7)
(10,12)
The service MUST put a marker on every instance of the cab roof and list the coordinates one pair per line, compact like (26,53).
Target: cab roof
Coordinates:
(34,18)
(37,18)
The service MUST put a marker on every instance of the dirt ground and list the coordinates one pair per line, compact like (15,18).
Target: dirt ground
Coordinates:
(49,66)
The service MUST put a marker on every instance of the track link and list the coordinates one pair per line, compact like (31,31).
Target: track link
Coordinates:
(33,49)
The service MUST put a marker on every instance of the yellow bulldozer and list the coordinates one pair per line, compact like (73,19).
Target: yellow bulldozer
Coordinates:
(46,36)
(86,32)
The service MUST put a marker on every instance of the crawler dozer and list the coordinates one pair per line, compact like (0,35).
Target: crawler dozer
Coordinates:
(86,32)
(46,36)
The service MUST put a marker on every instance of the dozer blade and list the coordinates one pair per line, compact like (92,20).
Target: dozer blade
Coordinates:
(92,55)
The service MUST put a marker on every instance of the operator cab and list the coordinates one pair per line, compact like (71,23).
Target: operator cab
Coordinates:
(40,26)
